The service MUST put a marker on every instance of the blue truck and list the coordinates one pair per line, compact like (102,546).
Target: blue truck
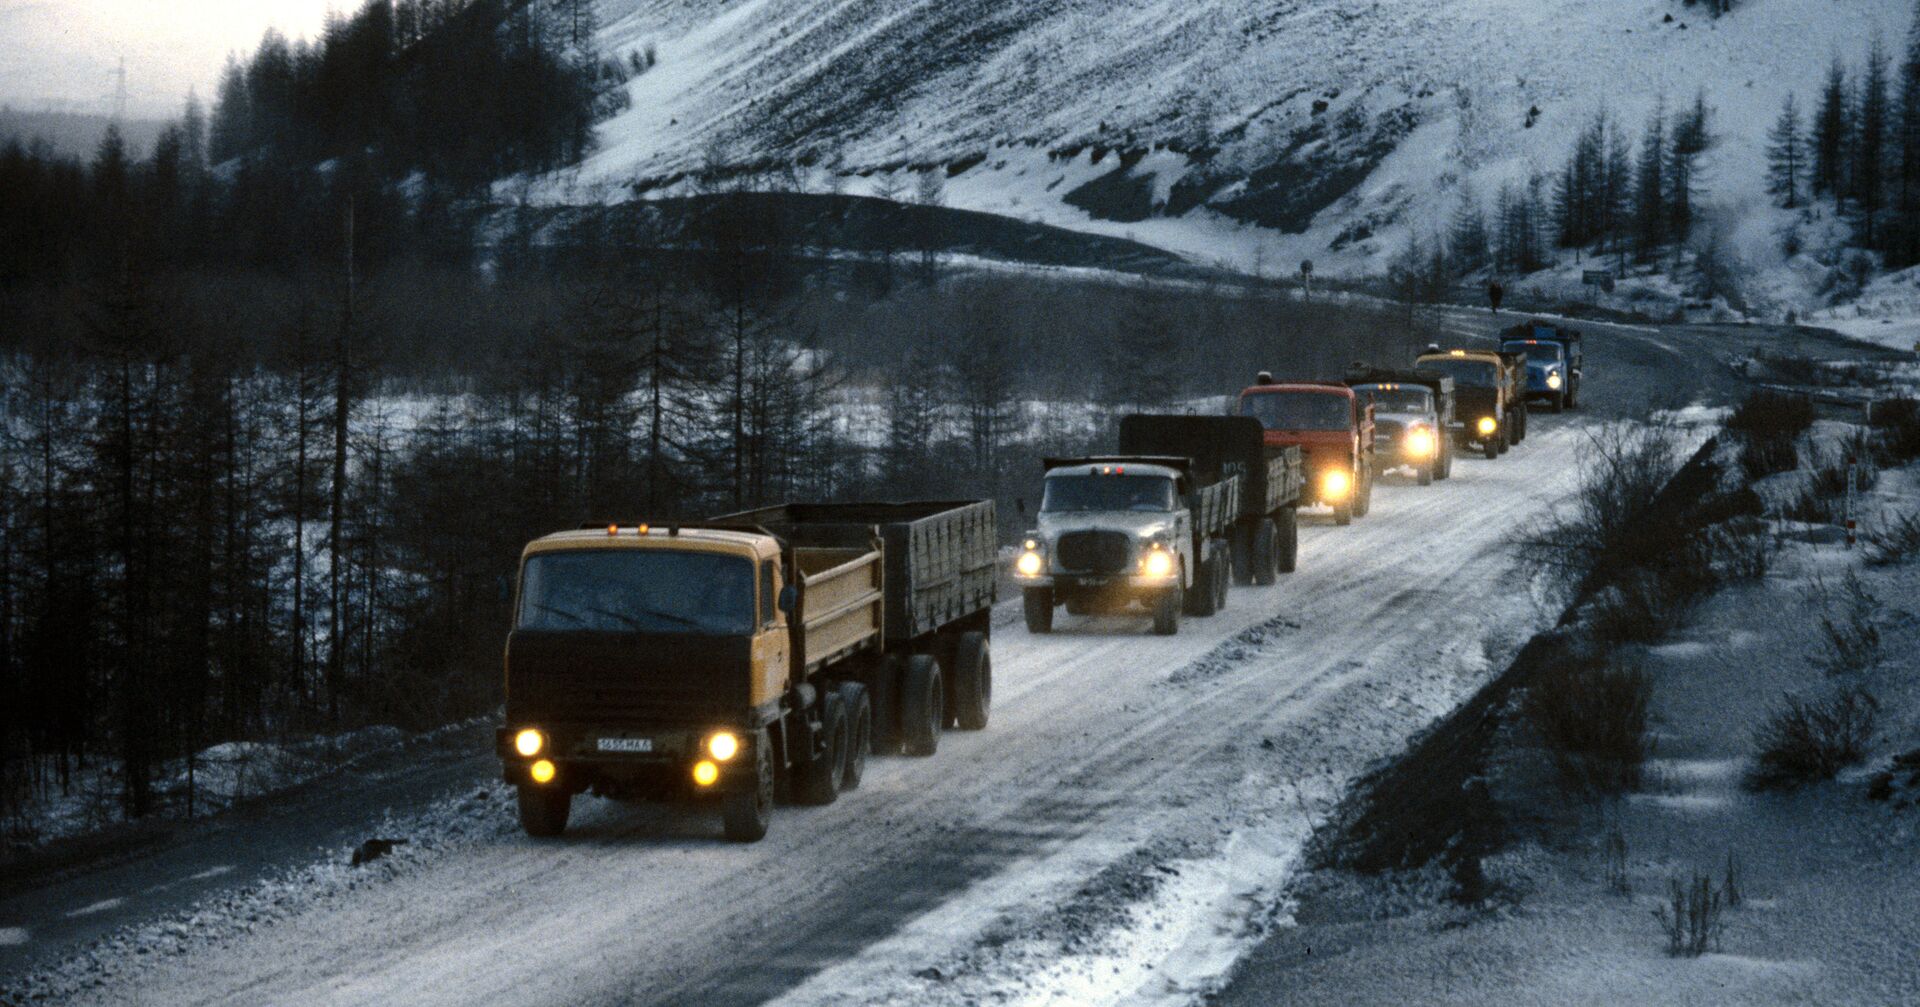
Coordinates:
(1554,361)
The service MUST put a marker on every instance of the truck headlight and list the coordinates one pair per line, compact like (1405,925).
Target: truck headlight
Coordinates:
(1553,380)
(1157,563)
(1487,426)
(705,773)
(1029,564)
(529,742)
(542,771)
(723,745)
(1420,442)
(1335,484)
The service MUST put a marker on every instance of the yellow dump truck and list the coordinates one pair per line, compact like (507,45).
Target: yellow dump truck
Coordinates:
(756,657)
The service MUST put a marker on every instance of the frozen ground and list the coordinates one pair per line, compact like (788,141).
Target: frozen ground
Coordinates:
(1827,876)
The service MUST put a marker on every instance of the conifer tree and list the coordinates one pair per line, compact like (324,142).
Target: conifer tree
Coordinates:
(1831,125)
(1649,188)
(1786,156)
(1868,174)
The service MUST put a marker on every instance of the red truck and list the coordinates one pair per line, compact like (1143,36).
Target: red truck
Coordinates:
(1334,430)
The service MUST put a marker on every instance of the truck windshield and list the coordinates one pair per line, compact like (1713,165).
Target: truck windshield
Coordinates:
(637,591)
(1539,353)
(1399,400)
(1466,373)
(1298,410)
(1107,493)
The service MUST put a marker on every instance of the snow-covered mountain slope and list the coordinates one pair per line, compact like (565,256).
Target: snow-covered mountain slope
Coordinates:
(1252,132)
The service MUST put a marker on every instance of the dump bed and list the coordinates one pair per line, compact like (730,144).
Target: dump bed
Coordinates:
(1219,447)
(844,607)
(1543,331)
(1215,506)
(939,562)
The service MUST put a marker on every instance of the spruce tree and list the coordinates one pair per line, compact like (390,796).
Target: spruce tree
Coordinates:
(1868,174)
(1690,139)
(1831,123)
(1649,188)
(1906,250)
(1785,156)
(1469,238)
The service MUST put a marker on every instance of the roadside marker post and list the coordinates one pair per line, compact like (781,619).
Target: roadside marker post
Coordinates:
(1853,480)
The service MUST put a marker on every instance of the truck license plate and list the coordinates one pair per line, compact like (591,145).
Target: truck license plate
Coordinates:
(626,744)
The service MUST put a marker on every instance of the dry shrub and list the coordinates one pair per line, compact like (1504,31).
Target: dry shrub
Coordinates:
(1770,424)
(1848,627)
(1691,916)
(1593,719)
(1811,740)
(1896,425)
(1893,538)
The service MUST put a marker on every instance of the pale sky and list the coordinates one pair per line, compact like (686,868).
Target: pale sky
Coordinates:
(62,53)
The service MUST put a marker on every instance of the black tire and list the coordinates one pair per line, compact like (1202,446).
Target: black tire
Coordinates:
(1504,442)
(1266,551)
(1288,556)
(973,686)
(1520,424)
(1038,603)
(859,707)
(1559,402)
(922,706)
(1363,495)
(544,810)
(1491,447)
(1424,474)
(1203,597)
(1166,611)
(1446,460)
(1247,553)
(1223,584)
(1573,397)
(746,813)
(818,779)
(1343,513)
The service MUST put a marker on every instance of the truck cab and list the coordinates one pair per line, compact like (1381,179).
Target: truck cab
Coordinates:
(1488,413)
(1334,430)
(1554,362)
(1410,425)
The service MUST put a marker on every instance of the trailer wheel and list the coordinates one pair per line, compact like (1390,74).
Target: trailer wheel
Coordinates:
(1166,611)
(820,777)
(543,810)
(859,706)
(1038,603)
(1288,548)
(922,707)
(973,682)
(746,813)
(1266,553)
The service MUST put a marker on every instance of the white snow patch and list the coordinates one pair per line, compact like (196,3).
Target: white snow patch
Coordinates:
(98,907)
(13,936)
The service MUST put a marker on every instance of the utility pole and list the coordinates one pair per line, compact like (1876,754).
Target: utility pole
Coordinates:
(119,92)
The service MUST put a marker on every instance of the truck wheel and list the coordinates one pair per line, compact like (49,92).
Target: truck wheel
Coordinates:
(820,778)
(973,682)
(1166,612)
(745,813)
(1520,425)
(1247,554)
(1504,442)
(1491,447)
(1424,474)
(1573,397)
(1038,602)
(922,706)
(1223,582)
(1266,552)
(1343,512)
(543,810)
(1363,497)
(859,706)
(1559,402)
(1201,598)
(1289,544)
(1446,460)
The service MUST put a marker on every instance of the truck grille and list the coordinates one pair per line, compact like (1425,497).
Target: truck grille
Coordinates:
(1104,552)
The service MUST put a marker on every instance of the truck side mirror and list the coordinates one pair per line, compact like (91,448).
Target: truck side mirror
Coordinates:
(789,597)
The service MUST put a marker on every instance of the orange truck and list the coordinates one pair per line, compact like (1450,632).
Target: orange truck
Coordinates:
(1332,427)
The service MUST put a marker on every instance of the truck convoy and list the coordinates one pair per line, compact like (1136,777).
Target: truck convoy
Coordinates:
(1162,523)
(1489,409)
(1334,430)
(1554,361)
(1413,412)
(754,656)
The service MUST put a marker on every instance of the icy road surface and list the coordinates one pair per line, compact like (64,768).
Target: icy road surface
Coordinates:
(1110,837)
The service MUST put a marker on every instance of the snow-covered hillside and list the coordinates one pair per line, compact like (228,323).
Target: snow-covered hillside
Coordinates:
(1249,132)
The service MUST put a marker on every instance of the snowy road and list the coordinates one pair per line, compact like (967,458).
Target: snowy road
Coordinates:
(1018,860)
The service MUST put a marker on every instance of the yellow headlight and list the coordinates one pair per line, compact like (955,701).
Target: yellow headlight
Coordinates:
(1335,484)
(705,773)
(1487,425)
(1158,563)
(1553,381)
(1420,442)
(529,742)
(542,771)
(723,745)
(1029,564)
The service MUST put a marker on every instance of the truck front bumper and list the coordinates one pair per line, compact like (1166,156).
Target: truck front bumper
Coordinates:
(658,761)
(1098,582)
